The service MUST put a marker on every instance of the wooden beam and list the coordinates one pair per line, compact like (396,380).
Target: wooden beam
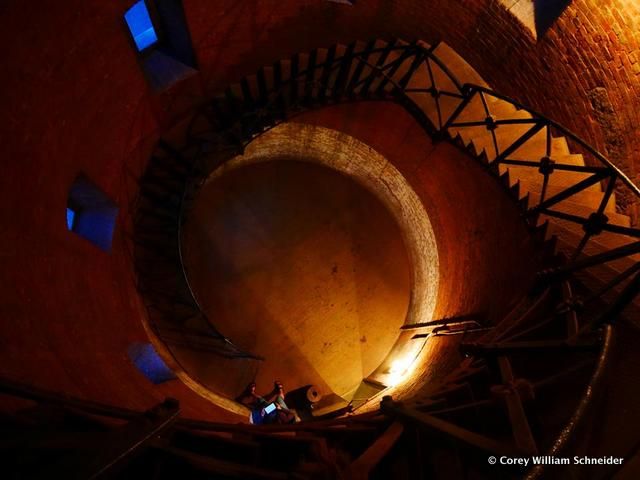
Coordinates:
(517,416)
(21,390)
(362,466)
(468,437)
(461,320)
(541,346)
(462,408)
(116,447)
(220,467)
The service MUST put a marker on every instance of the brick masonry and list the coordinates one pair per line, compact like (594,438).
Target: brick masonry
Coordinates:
(74,100)
(586,61)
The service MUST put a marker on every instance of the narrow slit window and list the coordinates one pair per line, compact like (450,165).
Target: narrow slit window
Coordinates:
(140,25)
(71,216)
(149,363)
(536,15)
(161,35)
(90,213)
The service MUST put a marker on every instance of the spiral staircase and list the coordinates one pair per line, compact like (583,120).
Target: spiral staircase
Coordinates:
(529,384)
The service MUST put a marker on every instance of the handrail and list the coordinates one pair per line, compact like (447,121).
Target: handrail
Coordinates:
(565,131)
(275,95)
(253,120)
(21,390)
(29,392)
(586,402)
(361,467)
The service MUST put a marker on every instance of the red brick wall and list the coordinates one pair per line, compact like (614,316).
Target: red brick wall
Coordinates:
(582,73)
(73,99)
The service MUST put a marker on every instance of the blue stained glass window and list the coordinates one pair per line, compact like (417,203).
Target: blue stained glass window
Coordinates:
(140,25)
(71,216)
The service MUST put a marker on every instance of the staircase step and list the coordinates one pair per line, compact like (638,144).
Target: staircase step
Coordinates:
(499,109)
(502,110)
(536,148)
(380,46)
(398,72)
(590,197)
(314,77)
(236,91)
(594,278)
(298,84)
(567,206)
(360,70)
(426,102)
(505,135)
(221,468)
(474,111)
(558,177)
(303,62)
(253,88)
(339,76)
(380,59)
(326,65)
(285,70)
(265,82)
(457,65)
(604,272)
(571,234)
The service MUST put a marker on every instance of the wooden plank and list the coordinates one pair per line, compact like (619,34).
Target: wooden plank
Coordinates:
(361,467)
(116,447)
(21,390)
(325,457)
(220,467)
(517,416)
(461,320)
(528,347)
(30,439)
(242,427)
(459,433)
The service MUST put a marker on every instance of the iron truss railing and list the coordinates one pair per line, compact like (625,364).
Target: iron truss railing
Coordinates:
(412,75)
(622,241)
(505,134)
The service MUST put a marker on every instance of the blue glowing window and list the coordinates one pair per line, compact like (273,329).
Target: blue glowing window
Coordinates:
(147,360)
(140,26)
(90,213)
(162,41)
(71,216)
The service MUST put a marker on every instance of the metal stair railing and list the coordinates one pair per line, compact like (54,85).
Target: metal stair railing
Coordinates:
(600,171)
(223,127)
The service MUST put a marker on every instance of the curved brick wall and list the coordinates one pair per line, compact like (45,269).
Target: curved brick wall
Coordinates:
(582,73)
(74,99)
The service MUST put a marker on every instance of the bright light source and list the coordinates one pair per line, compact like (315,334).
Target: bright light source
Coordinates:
(398,370)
